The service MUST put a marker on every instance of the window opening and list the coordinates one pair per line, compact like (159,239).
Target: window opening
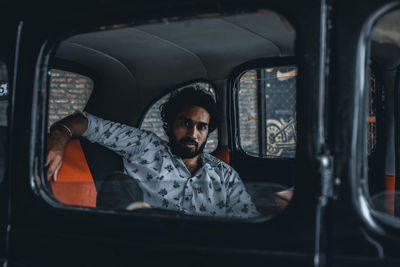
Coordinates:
(382,128)
(174,66)
(267,112)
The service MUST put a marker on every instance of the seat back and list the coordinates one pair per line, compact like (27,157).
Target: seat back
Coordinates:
(85,166)
(75,185)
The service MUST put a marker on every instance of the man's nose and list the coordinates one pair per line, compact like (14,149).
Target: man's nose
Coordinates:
(193,132)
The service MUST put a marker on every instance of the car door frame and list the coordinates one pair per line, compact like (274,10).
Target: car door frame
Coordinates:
(11,31)
(354,226)
(39,224)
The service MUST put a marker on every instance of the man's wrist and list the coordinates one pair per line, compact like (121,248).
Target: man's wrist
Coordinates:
(61,128)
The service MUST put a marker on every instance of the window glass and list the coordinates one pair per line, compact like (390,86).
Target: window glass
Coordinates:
(383,115)
(267,112)
(152,120)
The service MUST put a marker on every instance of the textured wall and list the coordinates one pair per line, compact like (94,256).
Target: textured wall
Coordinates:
(68,92)
(248,114)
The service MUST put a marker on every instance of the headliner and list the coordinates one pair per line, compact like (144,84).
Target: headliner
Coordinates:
(139,63)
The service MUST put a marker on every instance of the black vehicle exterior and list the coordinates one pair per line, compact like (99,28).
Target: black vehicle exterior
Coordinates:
(323,225)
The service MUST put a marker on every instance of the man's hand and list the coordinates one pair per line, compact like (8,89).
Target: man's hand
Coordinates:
(56,143)
(72,126)
(282,199)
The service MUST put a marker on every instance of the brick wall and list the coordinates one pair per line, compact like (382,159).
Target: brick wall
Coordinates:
(248,112)
(68,92)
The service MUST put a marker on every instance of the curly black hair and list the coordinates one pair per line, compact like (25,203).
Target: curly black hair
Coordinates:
(190,95)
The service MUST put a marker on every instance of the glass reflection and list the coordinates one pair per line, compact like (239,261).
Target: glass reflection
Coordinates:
(383,118)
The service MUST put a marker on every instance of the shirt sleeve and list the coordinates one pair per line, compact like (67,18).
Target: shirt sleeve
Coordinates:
(239,203)
(118,137)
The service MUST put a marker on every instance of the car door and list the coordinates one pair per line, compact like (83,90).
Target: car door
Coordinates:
(45,232)
(363,88)
(9,50)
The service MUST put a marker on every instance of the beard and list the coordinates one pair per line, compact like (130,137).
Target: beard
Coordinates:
(179,148)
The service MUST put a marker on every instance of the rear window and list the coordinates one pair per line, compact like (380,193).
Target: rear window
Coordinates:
(267,112)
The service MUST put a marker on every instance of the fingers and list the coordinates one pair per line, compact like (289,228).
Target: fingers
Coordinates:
(56,172)
(53,162)
(55,151)
(288,194)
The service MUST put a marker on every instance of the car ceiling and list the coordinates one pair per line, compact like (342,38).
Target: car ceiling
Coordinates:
(136,64)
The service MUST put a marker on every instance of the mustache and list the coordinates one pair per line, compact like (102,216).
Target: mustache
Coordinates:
(188,140)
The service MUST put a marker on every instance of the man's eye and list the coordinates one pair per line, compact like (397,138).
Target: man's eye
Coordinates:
(202,127)
(186,123)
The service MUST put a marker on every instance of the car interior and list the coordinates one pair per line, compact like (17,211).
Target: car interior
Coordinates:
(133,66)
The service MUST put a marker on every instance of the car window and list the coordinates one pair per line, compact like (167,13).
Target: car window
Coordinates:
(133,67)
(383,115)
(152,120)
(267,111)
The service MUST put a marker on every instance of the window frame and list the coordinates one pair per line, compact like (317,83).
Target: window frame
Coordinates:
(397,135)
(262,116)
(382,225)
(35,222)
(233,100)
(282,170)
(42,188)
(382,222)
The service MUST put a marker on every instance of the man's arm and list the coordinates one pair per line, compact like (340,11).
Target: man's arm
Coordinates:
(238,200)
(60,133)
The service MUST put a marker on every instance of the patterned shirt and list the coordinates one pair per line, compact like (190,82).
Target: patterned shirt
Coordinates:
(215,189)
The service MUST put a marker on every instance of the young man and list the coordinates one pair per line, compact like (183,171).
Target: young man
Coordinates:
(175,175)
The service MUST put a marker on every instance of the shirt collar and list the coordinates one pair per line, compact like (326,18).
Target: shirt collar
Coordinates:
(208,161)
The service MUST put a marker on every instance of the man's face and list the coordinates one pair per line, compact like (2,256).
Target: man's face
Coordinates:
(190,131)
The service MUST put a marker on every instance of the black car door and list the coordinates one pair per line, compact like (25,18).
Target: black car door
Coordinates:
(45,232)
(11,31)
(363,87)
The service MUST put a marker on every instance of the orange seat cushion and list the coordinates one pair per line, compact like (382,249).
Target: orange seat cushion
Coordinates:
(222,153)
(390,186)
(75,185)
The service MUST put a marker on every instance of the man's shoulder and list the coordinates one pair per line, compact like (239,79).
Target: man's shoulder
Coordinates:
(216,162)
